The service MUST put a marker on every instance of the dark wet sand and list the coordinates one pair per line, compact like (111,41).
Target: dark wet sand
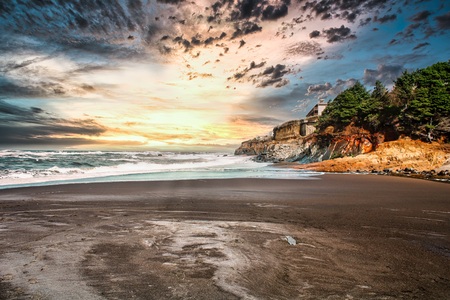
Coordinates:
(358,237)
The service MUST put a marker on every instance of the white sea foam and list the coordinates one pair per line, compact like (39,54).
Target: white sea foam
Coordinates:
(47,167)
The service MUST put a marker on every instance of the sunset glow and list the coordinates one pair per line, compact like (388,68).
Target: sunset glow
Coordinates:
(186,76)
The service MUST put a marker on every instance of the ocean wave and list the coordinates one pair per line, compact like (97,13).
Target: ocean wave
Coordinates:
(107,164)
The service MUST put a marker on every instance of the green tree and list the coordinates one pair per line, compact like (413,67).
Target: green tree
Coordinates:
(429,101)
(403,91)
(344,108)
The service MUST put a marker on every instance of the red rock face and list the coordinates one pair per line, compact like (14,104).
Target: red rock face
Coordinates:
(350,145)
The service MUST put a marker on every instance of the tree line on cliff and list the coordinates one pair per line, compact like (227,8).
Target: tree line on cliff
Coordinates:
(417,106)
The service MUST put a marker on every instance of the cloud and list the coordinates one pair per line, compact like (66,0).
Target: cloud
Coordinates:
(272,12)
(83,26)
(421,45)
(387,74)
(443,21)
(245,28)
(26,88)
(314,34)
(244,72)
(304,49)
(194,75)
(18,65)
(338,34)
(33,125)
(364,22)
(320,89)
(385,19)
(421,16)
(324,90)
(345,10)
(246,9)
(254,65)
(272,76)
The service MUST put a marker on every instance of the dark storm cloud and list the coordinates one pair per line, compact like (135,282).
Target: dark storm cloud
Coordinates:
(349,16)
(19,136)
(421,16)
(195,41)
(272,76)
(275,72)
(245,28)
(327,16)
(314,34)
(421,45)
(24,88)
(443,21)
(244,72)
(410,30)
(272,12)
(246,9)
(93,46)
(385,19)
(81,26)
(364,22)
(254,65)
(338,34)
(387,74)
(393,42)
(33,125)
(346,10)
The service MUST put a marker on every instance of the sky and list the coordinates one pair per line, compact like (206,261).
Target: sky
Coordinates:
(195,75)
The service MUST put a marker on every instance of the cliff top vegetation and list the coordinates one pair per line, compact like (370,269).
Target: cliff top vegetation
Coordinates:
(418,106)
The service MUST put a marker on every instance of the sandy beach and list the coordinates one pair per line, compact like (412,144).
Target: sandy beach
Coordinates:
(350,237)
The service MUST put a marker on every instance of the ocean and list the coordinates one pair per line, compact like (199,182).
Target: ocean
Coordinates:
(20,168)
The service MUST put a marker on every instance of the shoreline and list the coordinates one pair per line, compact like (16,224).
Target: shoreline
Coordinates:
(367,237)
(442,174)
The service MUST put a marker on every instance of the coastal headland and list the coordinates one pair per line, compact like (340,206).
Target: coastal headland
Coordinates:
(326,237)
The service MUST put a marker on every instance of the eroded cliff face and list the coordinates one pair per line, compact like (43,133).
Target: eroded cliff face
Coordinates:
(330,151)
(288,130)
(403,154)
(287,144)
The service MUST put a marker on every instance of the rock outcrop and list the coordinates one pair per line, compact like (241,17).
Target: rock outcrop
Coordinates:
(288,130)
(400,156)
(287,144)
(341,152)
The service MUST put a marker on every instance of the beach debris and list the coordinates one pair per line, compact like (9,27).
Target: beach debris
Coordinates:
(291,240)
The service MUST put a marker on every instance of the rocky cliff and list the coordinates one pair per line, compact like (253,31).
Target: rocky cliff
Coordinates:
(340,151)
(403,156)
(287,144)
